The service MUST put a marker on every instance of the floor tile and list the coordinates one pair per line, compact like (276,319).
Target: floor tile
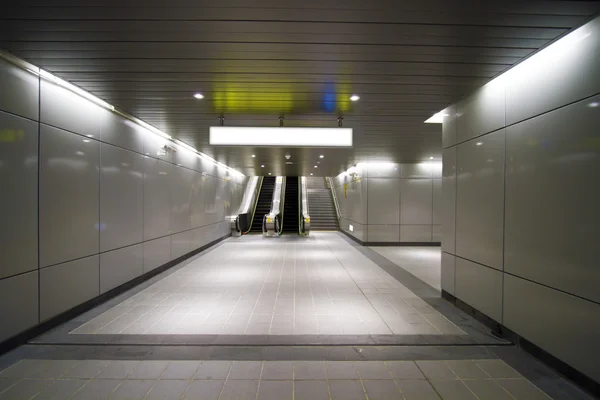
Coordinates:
(180,370)
(309,370)
(275,390)
(278,370)
(522,389)
(467,369)
(498,369)
(452,390)
(149,369)
(346,390)
(382,390)
(405,370)
(96,389)
(25,388)
(239,390)
(245,370)
(132,389)
(167,390)
(311,390)
(213,370)
(86,369)
(436,370)
(487,389)
(340,370)
(204,390)
(5,383)
(417,390)
(372,370)
(118,369)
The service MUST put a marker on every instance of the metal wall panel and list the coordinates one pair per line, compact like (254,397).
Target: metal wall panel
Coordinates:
(383,201)
(481,112)
(449,201)
(156,253)
(181,197)
(18,304)
(120,266)
(24,89)
(19,199)
(447,275)
(480,287)
(157,198)
(416,233)
(383,233)
(416,202)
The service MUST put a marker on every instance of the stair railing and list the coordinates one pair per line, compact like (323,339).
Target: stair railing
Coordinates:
(331,187)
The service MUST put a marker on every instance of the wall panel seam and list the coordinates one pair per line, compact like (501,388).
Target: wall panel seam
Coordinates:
(18,116)
(553,288)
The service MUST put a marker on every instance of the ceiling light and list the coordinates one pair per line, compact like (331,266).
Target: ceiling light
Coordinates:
(354,97)
(315,166)
(431,158)
(199,96)
(479,143)
(280,136)
(262,165)
(321,156)
(311,174)
(253,155)
(437,118)
(269,173)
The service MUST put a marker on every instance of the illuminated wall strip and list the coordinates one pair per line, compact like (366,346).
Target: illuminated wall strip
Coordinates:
(96,100)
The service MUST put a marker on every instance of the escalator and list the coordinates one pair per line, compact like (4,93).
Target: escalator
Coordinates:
(263,206)
(290,207)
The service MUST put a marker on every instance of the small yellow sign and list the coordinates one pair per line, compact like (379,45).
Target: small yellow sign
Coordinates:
(345,188)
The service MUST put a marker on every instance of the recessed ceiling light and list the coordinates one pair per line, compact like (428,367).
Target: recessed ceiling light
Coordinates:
(199,96)
(253,155)
(311,174)
(262,165)
(431,158)
(315,166)
(354,97)
(321,156)
(269,173)
(479,143)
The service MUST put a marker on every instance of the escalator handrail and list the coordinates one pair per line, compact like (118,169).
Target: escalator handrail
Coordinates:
(255,205)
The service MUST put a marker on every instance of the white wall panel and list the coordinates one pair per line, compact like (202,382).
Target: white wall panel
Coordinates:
(447,275)
(480,199)
(120,266)
(154,147)
(157,198)
(416,233)
(181,196)
(480,287)
(121,197)
(18,304)
(67,285)
(69,193)
(383,233)
(157,252)
(481,112)
(422,170)
(24,91)
(449,200)
(19,199)
(383,170)
(180,244)
(123,133)
(436,233)
(359,230)
(449,127)
(416,202)
(383,201)
(552,198)
(437,202)
(563,325)
(564,72)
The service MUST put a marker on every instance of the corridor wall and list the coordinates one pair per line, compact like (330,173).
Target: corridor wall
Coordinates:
(521,195)
(89,201)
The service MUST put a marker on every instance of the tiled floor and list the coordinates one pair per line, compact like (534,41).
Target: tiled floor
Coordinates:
(422,262)
(126,379)
(320,285)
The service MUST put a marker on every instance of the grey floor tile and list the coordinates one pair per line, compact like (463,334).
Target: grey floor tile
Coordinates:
(60,389)
(453,390)
(436,370)
(340,370)
(5,383)
(180,370)
(245,370)
(170,389)
(382,390)
(522,389)
(311,390)
(132,389)
(213,370)
(42,369)
(488,389)
(149,369)
(309,370)
(239,390)
(96,389)
(417,390)
(86,369)
(278,370)
(467,369)
(25,388)
(372,370)
(498,369)
(204,390)
(275,390)
(118,369)
(405,370)
(346,390)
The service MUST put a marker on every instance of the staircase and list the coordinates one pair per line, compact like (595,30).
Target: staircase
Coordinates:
(320,206)
(290,208)
(265,198)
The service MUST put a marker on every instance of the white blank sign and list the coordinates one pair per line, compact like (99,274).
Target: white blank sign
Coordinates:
(280,136)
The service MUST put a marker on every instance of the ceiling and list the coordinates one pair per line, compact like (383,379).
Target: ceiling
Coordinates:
(255,61)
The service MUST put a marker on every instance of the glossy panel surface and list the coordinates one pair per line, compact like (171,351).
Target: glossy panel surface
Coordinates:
(69,193)
(421,170)
(564,72)
(64,286)
(480,199)
(121,197)
(181,196)
(383,233)
(19,199)
(353,205)
(383,201)
(416,200)
(383,170)
(416,233)
(157,198)
(64,109)
(123,133)
(448,268)
(480,287)
(449,201)
(552,198)
(482,112)
(154,146)
(359,230)
(120,266)
(23,88)
(564,325)
(436,234)
(449,127)
(180,244)
(437,202)
(156,253)
(18,304)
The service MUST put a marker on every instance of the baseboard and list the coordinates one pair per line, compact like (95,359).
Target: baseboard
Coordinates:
(560,366)
(433,244)
(25,336)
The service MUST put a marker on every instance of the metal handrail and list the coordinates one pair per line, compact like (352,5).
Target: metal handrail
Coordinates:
(303,215)
(261,179)
(329,185)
